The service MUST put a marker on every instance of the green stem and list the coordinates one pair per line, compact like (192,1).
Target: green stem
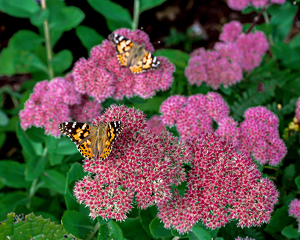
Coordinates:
(267,21)
(96,228)
(136,14)
(48,43)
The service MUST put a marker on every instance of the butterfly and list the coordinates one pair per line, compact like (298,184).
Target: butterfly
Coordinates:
(133,55)
(92,141)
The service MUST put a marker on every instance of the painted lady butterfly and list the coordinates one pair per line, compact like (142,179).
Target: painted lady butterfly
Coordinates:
(132,55)
(92,141)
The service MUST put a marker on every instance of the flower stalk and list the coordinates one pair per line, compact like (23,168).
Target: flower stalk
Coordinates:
(48,43)
(136,14)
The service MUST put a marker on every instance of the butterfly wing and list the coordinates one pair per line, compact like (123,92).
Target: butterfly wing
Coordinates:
(112,131)
(124,47)
(83,135)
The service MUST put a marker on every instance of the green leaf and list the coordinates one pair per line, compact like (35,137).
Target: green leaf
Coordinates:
(290,232)
(102,221)
(132,229)
(111,230)
(31,227)
(279,220)
(3,118)
(295,42)
(54,180)
(25,141)
(2,139)
(89,37)
(198,233)
(146,217)
(76,172)
(297,181)
(77,224)
(38,18)
(62,61)
(66,18)
(178,58)
(66,147)
(36,134)
(146,4)
(25,40)
(29,62)
(12,174)
(19,8)
(10,201)
(7,64)
(116,16)
(151,104)
(282,18)
(35,167)
(157,229)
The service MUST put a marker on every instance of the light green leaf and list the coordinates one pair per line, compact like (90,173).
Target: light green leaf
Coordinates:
(54,180)
(157,229)
(3,118)
(89,37)
(115,15)
(25,40)
(77,223)
(19,8)
(12,174)
(62,61)
(32,228)
(146,4)
(66,147)
(38,18)
(198,233)
(290,232)
(66,18)
(111,230)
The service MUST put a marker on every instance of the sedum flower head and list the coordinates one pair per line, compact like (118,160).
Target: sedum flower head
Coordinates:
(141,165)
(294,210)
(222,185)
(101,76)
(259,136)
(241,4)
(298,110)
(226,62)
(49,105)
(155,125)
(193,115)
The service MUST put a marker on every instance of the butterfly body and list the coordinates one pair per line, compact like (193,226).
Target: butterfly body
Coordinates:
(133,55)
(92,141)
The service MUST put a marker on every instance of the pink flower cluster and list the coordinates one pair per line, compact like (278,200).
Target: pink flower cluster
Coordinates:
(193,115)
(226,62)
(141,165)
(155,125)
(222,185)
(294,210)
(101,76)
(241,4)
(54,102)
(259,136)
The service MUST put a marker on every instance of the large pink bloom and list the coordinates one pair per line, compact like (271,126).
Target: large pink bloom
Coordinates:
(222,185)
(101,76)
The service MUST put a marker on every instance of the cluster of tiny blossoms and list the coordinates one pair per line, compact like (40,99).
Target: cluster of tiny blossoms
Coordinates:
(55,101)
(259,136)
(226,62)
(294,210)
(141,165)
(193,115)
(155,125)
(101,76)
(222,185)
(241,4)
(256,136)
